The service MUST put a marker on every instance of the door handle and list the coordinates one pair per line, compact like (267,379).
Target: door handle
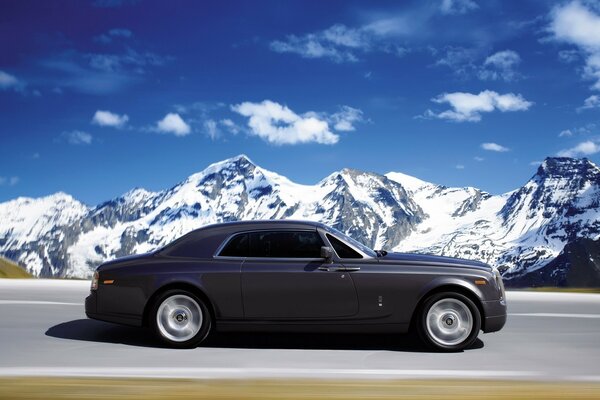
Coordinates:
(346,269)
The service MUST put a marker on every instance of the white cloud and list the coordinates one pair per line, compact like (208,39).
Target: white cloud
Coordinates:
(277,124)
(460,166)
(8,81)
(503,59)
(210,126)
(582,149)
(173,123)
(565,133)
(591,102)
(479,159)
(568,56)
(77,137)
(494,147)
(230,125)
(457,6)
(336,43)
(345,119)
(107,118)
(500,65)
(575,24)
(469,106)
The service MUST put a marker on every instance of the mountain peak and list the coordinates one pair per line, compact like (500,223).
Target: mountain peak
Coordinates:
(566,166)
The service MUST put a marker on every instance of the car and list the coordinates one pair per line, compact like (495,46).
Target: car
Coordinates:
(296,276)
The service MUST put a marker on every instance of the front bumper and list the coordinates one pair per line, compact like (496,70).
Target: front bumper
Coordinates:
(495,315)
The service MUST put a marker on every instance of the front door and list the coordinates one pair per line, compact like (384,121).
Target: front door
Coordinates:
(285,278)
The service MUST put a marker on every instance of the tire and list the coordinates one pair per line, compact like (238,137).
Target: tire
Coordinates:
(180,319)
(448,321)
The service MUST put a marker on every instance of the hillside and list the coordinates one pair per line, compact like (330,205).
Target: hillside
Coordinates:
(9,269)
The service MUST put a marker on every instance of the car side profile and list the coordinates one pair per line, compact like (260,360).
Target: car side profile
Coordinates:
(295,276)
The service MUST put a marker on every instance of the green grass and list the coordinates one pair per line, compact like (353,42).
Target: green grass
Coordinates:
(9,269)
(182,389)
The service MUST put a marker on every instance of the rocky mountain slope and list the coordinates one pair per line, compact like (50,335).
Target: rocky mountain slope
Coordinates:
(519,232)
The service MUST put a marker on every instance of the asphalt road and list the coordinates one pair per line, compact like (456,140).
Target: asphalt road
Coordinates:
(44,332)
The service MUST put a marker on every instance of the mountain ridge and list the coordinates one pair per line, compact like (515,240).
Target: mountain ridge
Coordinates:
(518,232)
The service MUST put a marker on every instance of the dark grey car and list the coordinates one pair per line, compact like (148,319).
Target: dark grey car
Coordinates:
(295,276)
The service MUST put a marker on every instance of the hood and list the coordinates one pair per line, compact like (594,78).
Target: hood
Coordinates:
(429,259)
(123,261)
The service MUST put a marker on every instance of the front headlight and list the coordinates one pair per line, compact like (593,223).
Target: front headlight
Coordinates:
(95,278)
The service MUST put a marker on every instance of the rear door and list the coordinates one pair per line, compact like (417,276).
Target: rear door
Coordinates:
(284,278)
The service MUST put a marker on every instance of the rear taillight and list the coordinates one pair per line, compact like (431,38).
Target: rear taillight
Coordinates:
(95,281)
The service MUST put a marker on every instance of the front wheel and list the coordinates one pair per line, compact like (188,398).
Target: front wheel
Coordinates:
(181,319)
(449,321)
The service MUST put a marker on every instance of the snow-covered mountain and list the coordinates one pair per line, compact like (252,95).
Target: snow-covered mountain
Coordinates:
(519,232)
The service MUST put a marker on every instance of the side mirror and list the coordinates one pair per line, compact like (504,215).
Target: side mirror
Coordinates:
(327,254)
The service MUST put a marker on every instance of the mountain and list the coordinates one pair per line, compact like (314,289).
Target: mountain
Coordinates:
(519,232)
(578,265)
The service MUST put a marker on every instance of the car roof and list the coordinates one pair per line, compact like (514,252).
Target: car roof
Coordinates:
(265,224)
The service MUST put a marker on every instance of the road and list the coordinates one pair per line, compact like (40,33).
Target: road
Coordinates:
(44,332)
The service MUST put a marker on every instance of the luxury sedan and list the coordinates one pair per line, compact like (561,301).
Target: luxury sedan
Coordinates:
(295,276)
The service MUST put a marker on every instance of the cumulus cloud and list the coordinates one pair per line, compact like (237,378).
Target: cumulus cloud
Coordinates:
(279,125)
(582,149)
(173,123)
(494,147)
(77,137)
(459,166)
(574,23)
(107,118)
(469,106)
(457,6)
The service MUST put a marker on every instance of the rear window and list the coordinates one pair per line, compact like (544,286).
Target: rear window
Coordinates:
(238,246)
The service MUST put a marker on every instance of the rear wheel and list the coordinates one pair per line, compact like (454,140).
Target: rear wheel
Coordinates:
(181,319)
(449,321)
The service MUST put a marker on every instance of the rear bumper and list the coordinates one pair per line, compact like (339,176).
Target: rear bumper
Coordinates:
(91,311)
(495,315)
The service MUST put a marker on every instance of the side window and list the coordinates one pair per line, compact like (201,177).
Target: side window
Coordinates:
(342,249)
(301,244)
(238,246)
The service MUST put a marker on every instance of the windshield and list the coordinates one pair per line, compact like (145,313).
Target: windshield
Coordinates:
(368,251)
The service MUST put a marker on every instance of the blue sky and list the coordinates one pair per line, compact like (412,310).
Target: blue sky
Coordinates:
(99,97)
